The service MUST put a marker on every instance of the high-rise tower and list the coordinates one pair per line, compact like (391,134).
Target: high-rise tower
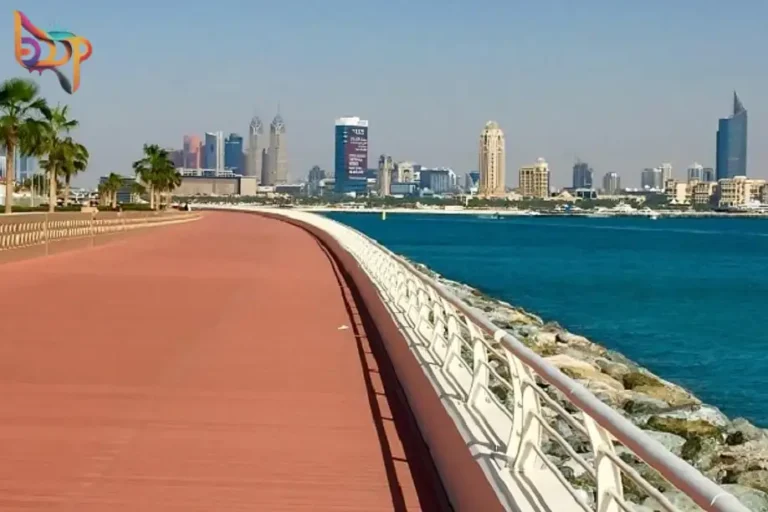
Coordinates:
(257,145)
(192,152)
(732,143)
(351,155)
(492,161)
(214,150)
(275,160)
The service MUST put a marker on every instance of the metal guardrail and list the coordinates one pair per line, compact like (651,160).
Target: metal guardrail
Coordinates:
(22,230)
(492,383)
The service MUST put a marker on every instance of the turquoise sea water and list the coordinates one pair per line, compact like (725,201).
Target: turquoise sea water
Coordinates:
(686,298)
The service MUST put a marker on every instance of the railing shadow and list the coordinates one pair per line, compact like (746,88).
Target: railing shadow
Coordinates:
(430,494)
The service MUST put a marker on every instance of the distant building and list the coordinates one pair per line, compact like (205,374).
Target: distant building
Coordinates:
(739,191)
(582,175)
(404,189)
(732,143)
(666,172)
(351,158)
(652,179)
(583,193)
(405,172)
(436,180)
(384,178)
(214,151)
(27,166)
(257,147)
(611,183)
(471,180)
(492,161)
(708,174)
(276,170)
(695,172)
(702,192)
(315,178)
(233,153)
(534,180)
(677,192)
(192,152)
(177,157)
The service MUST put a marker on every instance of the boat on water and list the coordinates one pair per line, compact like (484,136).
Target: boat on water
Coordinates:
(598,215)
(492,216)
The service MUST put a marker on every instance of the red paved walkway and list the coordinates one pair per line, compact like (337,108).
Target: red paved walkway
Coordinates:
(198,367)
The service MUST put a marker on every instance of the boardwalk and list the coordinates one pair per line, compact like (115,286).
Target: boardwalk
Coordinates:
(200,367)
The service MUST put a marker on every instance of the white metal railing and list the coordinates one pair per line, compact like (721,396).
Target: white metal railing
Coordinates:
(499,393)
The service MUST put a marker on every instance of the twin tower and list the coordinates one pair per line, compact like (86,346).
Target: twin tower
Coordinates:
(267,158)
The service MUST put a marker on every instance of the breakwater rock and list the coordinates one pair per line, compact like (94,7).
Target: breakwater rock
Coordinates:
(733,453)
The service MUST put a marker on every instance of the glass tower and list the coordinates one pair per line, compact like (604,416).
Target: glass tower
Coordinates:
(233,153)
(732,143)
(351,162)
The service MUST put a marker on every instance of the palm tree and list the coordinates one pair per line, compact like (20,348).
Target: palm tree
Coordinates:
(58,149)
(156,171)
(137,190)
(167,180)
(109,188)
(75,160)
(21,126)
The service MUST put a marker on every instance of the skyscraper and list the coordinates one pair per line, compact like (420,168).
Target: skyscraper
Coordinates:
(582,175)
(695,172)
(732,143)
(351,158)
(666,172)
(652,179)
(233,153)
(192,152)
(275,164)
(257,145)
(384,181)
(611,183)
(214,150)
(492,161)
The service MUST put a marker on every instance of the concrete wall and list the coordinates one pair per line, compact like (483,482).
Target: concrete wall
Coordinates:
(194,186)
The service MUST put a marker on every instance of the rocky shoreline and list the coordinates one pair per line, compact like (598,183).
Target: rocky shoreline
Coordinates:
(733,453)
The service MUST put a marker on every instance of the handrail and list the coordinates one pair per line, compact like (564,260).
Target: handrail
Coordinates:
(409,291)
(38,231)
(679,473)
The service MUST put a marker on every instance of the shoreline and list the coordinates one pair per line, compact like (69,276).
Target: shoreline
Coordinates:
(526,213)
(731,452)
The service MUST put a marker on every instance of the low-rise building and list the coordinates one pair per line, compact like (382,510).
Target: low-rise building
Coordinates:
(534,180)
(739,191)
(702,192)
(677,192)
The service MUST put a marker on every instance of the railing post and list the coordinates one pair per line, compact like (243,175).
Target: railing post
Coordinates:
(608,474)
(91,229)
(45,232)
(526,429)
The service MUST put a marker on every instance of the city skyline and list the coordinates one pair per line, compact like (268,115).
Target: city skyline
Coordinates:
(621,99)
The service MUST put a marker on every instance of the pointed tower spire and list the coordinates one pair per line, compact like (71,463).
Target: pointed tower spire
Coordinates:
(737,106)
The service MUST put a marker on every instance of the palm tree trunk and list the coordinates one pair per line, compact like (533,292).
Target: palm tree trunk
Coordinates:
(151,197)
(66,190)
(10,160)
(52,191)
(114,200)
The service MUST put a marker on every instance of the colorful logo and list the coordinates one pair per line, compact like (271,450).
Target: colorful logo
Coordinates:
(78,49)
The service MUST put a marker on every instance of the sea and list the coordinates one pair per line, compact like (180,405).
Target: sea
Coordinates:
(686,298)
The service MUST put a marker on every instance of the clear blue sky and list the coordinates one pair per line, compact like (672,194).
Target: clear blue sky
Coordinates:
(622,85)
